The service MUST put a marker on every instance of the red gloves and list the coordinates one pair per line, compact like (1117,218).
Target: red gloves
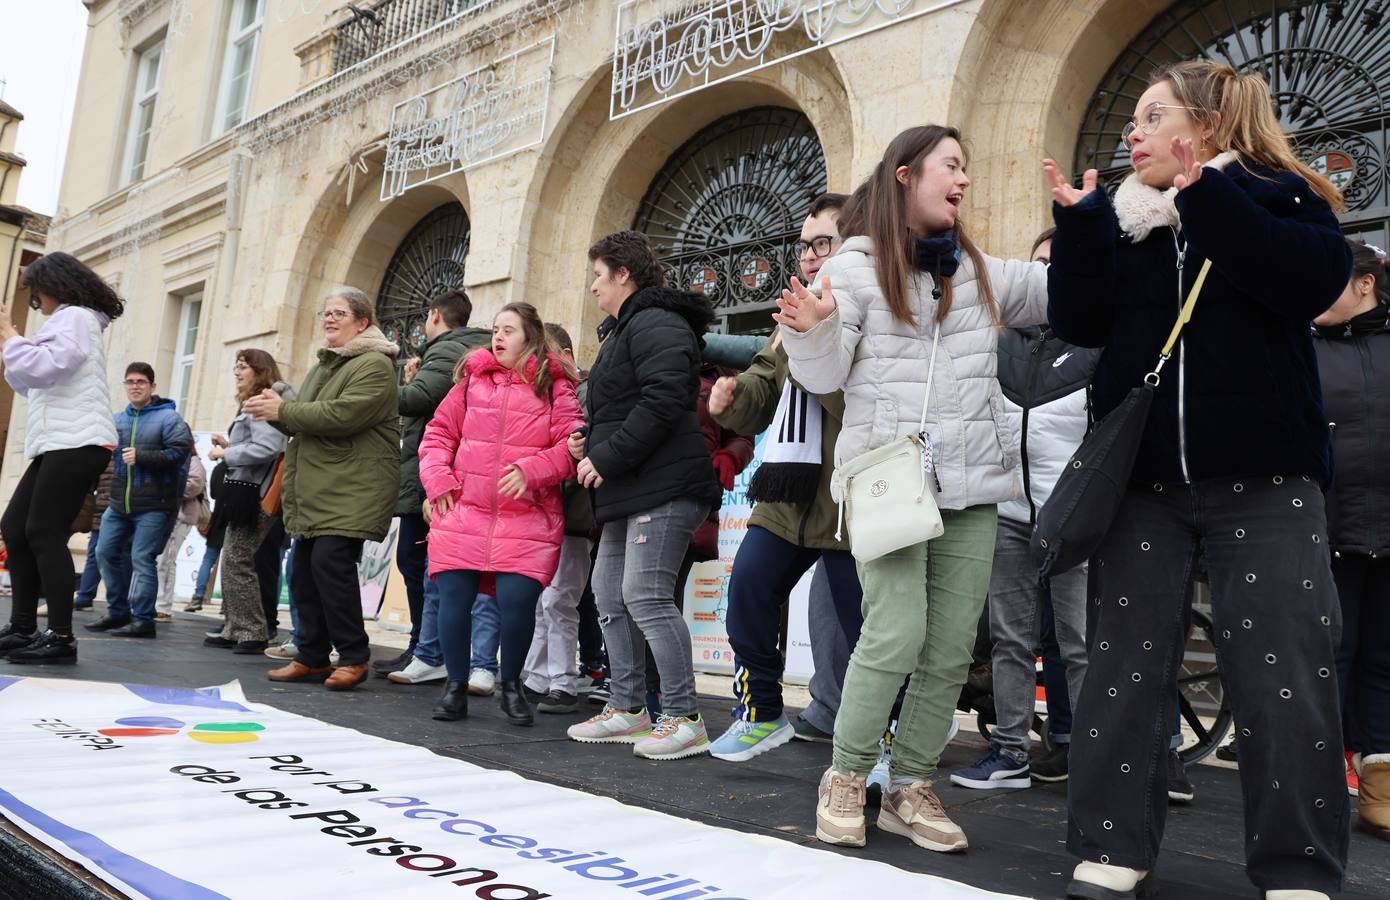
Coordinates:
(725,468)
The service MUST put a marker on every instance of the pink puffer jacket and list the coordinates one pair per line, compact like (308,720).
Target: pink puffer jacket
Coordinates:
(487,422)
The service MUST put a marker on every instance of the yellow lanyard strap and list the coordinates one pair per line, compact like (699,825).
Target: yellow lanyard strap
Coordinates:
(1185,315)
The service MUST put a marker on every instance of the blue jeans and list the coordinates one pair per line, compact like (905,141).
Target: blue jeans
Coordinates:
(459,597)
(487,630)
(200,586)
(487,633)
(91,573)
(127,550)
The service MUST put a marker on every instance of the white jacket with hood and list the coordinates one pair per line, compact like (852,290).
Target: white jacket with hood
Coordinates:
(881,364)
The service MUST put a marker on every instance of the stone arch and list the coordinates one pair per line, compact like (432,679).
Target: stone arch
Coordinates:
(355,247)
(595,172)
(1026,75)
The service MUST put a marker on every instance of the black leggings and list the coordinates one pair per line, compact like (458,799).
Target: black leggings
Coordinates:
(37,525)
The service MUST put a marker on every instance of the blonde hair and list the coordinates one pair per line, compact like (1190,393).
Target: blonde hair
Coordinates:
(1244,119)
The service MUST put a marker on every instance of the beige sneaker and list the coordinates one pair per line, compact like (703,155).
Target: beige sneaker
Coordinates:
(914,812)
(612,726)
(840,809)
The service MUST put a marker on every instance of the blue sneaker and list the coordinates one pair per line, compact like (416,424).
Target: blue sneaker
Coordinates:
(995,770)
(745,740)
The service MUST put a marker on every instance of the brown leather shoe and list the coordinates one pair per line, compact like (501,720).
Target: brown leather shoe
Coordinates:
(297,671)
(345,678)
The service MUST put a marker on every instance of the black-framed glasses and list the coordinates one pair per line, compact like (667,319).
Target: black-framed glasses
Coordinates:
(821,246)
(1152,118)
(336,315)
(137,382)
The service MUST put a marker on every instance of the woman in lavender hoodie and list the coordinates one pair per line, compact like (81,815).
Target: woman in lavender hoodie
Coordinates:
(61,371)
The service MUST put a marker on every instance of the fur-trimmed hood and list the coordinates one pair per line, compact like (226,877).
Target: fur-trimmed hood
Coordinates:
(1140,208)
(369,340)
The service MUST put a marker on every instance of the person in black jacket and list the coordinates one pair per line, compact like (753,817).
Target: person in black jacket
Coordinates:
(654,483)
(1230,466)
(1354,361)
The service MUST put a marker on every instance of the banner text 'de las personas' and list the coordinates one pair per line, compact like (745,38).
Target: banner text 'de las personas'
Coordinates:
(118,777)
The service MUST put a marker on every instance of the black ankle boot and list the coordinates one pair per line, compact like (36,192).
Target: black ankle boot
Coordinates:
(453,703)
(514,705)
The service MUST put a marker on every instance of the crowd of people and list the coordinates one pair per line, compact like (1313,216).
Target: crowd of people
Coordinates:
(549,517)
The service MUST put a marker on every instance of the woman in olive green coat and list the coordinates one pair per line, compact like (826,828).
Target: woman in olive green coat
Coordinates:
(342,466)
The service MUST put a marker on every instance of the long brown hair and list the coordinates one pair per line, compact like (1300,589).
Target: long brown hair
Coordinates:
(878,209)
(539,344)
(263,365)
(1244,118)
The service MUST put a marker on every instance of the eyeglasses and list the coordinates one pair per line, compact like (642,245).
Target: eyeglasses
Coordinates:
(820,246)
(1153,117)
(136,382)
(336,315)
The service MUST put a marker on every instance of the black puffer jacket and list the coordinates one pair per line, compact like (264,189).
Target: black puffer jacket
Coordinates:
(1240,396)
(1354,360)
(644,435)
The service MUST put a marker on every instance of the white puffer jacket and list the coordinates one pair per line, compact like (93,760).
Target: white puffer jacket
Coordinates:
(881,363)
(69,408)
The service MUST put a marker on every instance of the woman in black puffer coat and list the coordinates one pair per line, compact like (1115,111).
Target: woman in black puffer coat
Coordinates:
(1354,361)
(646,457)
(1228,473)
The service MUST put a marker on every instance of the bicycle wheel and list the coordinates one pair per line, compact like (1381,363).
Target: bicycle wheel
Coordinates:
(1202,698)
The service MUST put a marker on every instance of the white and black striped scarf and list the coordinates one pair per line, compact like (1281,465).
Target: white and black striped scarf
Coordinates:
(790,469)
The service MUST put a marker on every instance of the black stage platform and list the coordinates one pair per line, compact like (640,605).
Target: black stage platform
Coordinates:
(1016,837)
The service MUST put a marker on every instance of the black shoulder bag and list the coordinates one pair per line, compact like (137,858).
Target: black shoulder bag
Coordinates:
(1078,514)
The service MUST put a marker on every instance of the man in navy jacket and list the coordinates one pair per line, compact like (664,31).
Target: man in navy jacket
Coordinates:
(151,465)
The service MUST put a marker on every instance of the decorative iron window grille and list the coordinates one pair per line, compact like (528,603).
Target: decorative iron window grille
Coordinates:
(428,262)
(725,212)
(1328,67)
(372,27)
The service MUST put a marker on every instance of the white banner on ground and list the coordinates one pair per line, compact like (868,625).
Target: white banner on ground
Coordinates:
(168,793)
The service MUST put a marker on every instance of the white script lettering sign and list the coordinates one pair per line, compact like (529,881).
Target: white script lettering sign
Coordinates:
(491,112)
(662,52)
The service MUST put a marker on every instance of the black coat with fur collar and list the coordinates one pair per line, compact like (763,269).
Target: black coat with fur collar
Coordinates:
(644,433)
(1243,390)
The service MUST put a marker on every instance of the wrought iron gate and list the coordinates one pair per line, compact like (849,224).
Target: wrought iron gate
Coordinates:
(726,210)
(1328,66)
(428,262)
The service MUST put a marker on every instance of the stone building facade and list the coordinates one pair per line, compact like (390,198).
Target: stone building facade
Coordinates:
(226,162)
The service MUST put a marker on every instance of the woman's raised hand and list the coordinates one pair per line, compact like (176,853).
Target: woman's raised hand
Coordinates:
(801,310)
(1062,191)
(1187,158)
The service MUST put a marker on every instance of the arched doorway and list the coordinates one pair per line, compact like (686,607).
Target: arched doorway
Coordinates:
(725,211)
(1328,66)
(429,261)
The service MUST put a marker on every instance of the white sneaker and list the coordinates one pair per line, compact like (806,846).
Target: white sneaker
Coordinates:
(481,683)
(612,726)
(878,776)
(286,650)
(418,673)
(674,737)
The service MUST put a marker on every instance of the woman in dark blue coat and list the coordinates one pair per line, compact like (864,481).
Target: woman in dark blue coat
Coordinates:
(1233,458)
(1354,363)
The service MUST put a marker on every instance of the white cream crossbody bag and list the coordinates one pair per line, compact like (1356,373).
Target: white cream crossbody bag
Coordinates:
(886,494)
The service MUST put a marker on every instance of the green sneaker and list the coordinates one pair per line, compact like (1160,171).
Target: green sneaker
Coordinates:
(745,740)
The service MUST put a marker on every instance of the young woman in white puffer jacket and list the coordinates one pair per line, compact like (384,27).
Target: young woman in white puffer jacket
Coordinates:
(907,269)
(61,372)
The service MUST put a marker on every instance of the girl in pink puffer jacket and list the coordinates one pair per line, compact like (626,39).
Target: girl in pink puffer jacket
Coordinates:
(492,461)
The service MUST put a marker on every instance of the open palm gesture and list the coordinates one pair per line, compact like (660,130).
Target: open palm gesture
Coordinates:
(1062,190)
(1187,158)
(801,310)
